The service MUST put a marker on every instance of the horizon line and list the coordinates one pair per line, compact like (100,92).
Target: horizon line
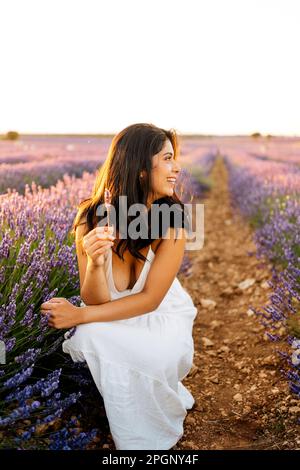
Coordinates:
(107,134)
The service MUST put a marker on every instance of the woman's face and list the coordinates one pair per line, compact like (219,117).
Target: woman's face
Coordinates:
(164,172)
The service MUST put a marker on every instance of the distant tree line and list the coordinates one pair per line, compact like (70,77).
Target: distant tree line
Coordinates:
(10,135)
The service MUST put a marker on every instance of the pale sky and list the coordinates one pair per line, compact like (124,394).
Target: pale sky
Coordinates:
(199,66)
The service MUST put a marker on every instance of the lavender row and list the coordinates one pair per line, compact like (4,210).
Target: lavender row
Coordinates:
(38,262)
(271,201)
(44,173)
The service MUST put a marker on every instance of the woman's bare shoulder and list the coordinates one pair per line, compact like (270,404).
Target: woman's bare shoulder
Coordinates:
(171,233)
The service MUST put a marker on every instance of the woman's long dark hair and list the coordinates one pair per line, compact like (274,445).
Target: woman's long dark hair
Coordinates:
(130,154)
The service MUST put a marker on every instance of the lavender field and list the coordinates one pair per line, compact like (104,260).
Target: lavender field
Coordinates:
(42,181)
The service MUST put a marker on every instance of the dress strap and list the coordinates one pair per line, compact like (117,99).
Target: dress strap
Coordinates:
(143,274)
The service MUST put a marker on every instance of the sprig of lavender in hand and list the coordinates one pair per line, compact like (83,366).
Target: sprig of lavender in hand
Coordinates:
(107,203)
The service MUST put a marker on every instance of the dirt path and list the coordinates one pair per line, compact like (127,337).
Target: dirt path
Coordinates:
(242,401)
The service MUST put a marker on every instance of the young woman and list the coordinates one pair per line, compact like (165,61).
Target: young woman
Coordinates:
(134,326)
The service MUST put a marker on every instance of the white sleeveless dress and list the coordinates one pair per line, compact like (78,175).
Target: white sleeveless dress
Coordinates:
(138,364)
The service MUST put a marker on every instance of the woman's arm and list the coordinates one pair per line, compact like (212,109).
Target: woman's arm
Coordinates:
(164,268)
(119,309)
(95,289)
(168,259)
(93,283)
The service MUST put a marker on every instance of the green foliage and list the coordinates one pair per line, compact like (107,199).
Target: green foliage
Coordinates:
(264,214)
(293,322)
(197,173)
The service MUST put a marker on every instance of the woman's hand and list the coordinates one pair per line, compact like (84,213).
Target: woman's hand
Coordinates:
(62,314)
(97,244)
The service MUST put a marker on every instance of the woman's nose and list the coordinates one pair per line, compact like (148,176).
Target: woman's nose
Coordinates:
(177,167)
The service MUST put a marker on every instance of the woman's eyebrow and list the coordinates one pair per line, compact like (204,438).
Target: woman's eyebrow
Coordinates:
(168,153)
